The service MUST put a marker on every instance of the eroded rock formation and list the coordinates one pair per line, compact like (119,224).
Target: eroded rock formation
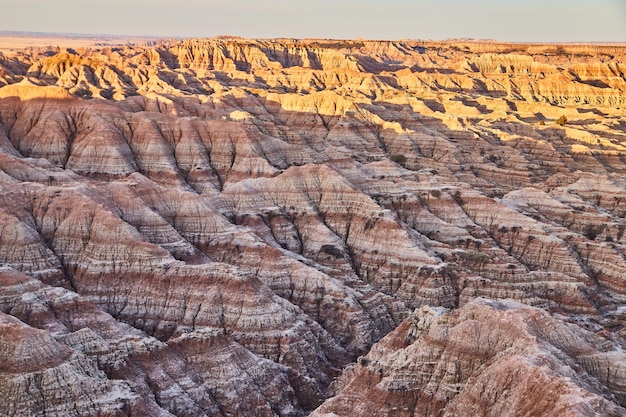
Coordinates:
(488,358)
(221,227)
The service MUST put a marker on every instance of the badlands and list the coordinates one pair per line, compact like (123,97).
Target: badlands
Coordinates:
(231,227)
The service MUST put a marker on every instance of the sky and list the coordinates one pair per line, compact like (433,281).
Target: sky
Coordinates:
(504,20)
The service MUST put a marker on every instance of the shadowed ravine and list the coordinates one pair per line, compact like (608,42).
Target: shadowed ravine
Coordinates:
(231,227)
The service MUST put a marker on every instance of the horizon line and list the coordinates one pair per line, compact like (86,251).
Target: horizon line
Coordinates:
(84,35)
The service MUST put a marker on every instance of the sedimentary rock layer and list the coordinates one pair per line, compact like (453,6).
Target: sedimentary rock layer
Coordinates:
(487,358)
(222,226)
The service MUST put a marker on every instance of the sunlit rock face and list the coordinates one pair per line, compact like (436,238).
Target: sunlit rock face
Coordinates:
(224,227)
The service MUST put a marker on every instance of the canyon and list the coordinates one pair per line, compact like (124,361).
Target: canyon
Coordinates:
(229,227)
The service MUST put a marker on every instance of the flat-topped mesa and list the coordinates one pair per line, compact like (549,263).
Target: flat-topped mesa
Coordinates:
(27,90)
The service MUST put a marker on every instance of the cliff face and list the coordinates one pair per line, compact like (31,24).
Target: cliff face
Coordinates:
(222,227)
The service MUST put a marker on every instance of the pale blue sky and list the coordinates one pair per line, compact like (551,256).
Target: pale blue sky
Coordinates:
(509,20)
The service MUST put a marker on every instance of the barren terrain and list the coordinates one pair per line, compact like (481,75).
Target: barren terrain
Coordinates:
(284,227)
(14,41)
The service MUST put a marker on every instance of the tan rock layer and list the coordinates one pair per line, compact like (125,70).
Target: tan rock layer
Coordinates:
(228,220)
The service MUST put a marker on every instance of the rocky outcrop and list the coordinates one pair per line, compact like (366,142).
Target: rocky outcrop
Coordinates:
(223,226)
(65,345)
(562,74)
(38,374)
(488,359)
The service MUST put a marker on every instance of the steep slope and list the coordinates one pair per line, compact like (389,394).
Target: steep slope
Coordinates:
(487,358)
(222,226)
